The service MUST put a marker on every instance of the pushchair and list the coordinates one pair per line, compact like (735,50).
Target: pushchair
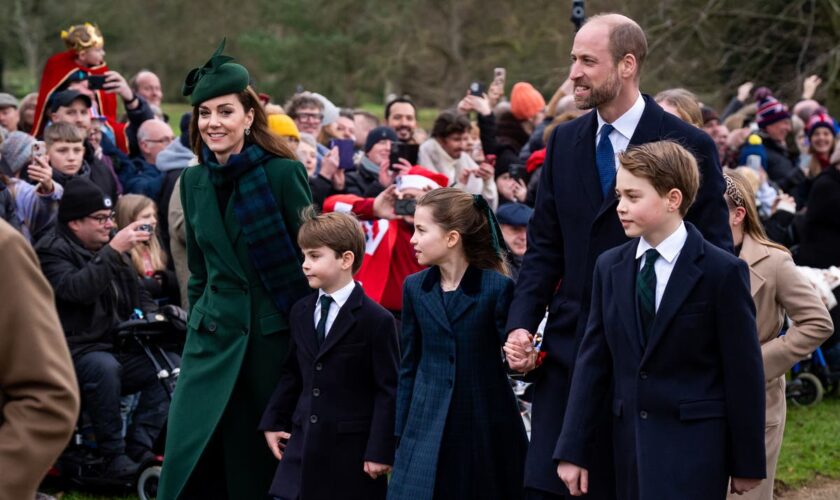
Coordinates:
(810,379)
(79,466)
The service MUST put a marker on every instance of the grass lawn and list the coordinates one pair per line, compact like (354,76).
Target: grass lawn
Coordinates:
(811,447)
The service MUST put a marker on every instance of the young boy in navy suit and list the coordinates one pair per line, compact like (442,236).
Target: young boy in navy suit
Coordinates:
(330,421)
(672,330)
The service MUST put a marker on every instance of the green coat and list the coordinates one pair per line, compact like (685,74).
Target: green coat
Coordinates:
(236,339)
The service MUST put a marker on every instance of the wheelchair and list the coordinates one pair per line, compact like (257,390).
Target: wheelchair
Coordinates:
(80,465)
(811,379)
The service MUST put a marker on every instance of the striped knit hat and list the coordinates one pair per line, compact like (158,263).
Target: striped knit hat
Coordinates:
(770,110)
(820,118)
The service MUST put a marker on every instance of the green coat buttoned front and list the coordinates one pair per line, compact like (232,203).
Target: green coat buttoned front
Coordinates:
(236,339)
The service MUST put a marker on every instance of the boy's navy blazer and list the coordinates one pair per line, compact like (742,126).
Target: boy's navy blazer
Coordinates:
(573,223)
(688,404)
(337,401)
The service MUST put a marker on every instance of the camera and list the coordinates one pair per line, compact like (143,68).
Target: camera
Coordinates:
(578,13)
(408,152)
(405,207)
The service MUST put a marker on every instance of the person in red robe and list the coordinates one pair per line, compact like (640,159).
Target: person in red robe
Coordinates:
(83,59)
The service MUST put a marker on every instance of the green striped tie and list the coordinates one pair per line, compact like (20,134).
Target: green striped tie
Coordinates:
(646,292)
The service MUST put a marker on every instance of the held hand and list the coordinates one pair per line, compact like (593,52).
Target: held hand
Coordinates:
(128,237)
(520,190)
(116,84)
(41,172)
(338,180)
(744,91)
(480,105)
(374,470)
(519,350)
(277,442)
(741,485)
(383,204)
(810,85)
(486,171)
(576,478)
(464,175)
(329,164)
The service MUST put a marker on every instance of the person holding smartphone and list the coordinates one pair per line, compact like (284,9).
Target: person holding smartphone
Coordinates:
(35,202)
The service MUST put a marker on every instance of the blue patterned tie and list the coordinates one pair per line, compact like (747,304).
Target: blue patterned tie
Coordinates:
(646,292)
(605,158)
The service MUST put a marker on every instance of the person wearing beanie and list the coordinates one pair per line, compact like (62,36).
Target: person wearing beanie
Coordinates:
(285,127)
(373,174)
(241,206)
(96,289)
(821,130)
(390,256)
(526,102)
(775,125)
(35,205)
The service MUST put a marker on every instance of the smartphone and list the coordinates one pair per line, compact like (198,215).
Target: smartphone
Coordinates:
(517,171)
(405,207)
(95,82)
(500,75)
(39,149)
(146,227)
(345,153)
(476,89)
(407,152)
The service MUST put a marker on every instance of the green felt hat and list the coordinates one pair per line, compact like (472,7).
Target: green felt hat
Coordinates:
(218,76)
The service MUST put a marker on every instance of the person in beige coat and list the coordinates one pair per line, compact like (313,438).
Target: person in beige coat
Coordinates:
(178,243)
(39,396)
(777,289)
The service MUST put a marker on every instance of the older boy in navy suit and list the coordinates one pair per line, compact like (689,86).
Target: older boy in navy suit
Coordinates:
(672,329)
(330,421)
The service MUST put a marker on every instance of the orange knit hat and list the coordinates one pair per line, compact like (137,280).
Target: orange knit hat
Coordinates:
(525,101)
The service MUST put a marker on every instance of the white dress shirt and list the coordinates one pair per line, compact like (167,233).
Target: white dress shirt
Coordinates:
(624,127)
(339,299)
(669,250)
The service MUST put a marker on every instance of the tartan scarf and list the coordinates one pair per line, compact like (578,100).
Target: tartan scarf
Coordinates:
(269,244)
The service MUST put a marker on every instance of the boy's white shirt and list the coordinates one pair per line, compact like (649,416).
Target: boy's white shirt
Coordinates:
(669,250)
(339,299)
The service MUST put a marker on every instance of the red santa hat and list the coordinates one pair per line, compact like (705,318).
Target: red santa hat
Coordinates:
(418,177)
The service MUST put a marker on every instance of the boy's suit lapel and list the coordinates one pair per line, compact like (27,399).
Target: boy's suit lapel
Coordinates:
(344,321)
(307,340)
(624,292)
(685,275)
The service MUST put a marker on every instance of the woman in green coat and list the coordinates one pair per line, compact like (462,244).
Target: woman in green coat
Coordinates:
(241,208)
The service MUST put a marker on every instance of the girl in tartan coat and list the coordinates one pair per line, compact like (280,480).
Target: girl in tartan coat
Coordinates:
(459,429)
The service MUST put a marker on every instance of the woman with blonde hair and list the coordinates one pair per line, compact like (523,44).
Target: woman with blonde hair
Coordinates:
(681,103)
(149,259)
(778,289)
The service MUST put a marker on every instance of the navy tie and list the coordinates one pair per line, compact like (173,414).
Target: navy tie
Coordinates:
(321,329)
(646,292)
(605,159)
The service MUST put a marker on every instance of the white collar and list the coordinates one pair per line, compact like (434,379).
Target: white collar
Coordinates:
(626,123)
(341,295)
(669,248)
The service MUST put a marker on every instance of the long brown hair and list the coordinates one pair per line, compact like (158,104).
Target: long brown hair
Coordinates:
(128,208)
(456,210)
(739,193)
(260,134)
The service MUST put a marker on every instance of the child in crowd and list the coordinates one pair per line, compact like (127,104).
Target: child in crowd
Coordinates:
(461,435)
(149,259)
(672,328)
(36,205)
(778,289)
(330,421)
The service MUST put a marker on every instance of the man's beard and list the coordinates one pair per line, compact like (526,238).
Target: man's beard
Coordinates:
(404,133)
(603,94)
